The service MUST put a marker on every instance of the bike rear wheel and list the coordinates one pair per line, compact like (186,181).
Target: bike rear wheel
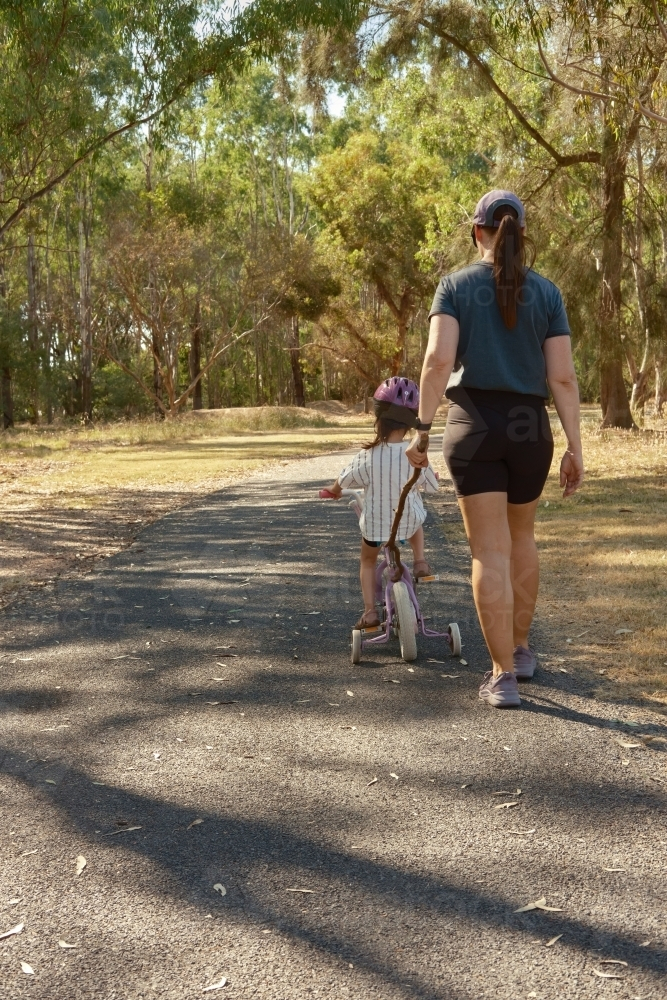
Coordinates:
(356,645)
(406,621)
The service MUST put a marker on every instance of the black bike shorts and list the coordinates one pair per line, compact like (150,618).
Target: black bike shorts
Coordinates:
(497,442)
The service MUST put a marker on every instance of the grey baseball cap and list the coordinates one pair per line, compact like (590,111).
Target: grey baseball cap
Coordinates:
(492,200)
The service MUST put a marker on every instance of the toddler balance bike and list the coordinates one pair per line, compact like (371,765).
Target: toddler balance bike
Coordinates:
(394,588)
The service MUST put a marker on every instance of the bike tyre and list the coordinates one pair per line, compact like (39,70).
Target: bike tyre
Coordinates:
(455,636)
(356,645)
(406,621)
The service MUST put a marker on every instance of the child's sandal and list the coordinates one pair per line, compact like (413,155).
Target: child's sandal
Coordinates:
(369,619)
(421,569)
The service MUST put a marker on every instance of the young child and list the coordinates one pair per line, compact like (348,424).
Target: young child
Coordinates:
(382,470)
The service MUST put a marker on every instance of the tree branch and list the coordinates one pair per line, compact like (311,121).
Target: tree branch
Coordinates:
(590,156)
(561,83)
(661,23)
(25,203)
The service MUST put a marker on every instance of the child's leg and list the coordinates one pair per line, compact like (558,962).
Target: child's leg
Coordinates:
(419,566)
(369,558)
(417,544)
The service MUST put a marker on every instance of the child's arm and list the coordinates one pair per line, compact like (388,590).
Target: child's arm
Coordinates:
(429,479)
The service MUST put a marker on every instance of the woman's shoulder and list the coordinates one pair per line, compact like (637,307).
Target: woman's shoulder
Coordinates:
(475,271)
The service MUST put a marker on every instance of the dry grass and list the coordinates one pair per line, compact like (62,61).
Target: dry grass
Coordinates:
(604,564)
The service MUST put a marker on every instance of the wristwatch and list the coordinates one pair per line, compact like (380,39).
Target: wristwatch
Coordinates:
(424,427)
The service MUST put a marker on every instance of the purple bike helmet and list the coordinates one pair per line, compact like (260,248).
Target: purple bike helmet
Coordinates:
(397,400)
(399,391)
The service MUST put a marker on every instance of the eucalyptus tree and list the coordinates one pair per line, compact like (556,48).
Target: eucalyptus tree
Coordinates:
(600,66)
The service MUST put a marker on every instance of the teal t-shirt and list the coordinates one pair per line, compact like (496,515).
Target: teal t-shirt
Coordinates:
(490,356)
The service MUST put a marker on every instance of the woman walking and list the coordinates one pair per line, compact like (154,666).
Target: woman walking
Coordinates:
(499,341)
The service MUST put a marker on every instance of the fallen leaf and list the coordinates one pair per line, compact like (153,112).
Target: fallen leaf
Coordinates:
(350,693)
(64,944)
(539,904)
(127,829)
(211,702)
(392,775)
(464,663)
(308,891)
(613,869)
(629,746)
(28,969)
(612,961)
(606,975)
(216,986)
(233,621)
(218,887)
(562,670)
(391,681)
(12,902)
(522,833)
(49,781)
(624,631)
(373,781)
(26,854)
(451,676)
(506,805)
(436,661)
(411,670)
(195,822)
(12,931)
(80,864)
(348,727)
(553,940)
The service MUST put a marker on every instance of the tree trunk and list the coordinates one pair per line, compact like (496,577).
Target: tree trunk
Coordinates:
(7,398)
(6,393)
(85,318)
(195,357)
(613,395)
(660,387)
(33,333)
(295,359)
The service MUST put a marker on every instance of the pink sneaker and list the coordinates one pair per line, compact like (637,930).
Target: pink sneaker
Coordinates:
(501,691)
(525,663)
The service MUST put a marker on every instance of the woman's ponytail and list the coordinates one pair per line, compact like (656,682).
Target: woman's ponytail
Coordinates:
(509,266)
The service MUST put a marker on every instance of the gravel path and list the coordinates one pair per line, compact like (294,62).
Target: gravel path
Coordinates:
(250,806)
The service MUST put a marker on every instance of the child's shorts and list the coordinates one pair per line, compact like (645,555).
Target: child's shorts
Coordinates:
(376,545)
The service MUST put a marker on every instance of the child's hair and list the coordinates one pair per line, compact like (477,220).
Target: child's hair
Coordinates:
(383,428)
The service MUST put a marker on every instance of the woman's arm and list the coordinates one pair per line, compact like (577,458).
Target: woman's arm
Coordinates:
(562,380)
(439,360)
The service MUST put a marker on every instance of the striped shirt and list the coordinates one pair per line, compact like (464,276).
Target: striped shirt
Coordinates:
(382,472)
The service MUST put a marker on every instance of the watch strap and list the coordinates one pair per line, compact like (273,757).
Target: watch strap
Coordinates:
(423,427)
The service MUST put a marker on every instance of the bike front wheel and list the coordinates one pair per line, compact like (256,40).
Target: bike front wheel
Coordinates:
(356,645)
(406,621)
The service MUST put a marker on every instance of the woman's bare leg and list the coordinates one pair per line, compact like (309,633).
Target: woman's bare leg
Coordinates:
(369,558)
(524,567)
(487,528)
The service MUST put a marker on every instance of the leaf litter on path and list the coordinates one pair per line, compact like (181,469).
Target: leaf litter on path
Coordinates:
(373,781)
(612,961)
(553,940)
(13,930)
(195,822)
(606,975)
(126,829)
(309,892)
(506,805)
(215,986)
(80,864)
(539,904)
(219,887)
(28,969)
(64,944)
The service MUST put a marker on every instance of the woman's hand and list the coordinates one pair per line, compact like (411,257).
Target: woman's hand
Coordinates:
(417,453)
(571,472)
